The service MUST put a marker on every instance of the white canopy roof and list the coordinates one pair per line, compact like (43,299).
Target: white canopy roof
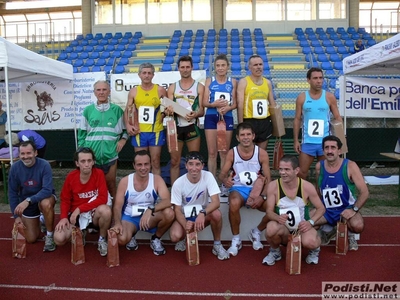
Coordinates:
(25,65)
(382,58)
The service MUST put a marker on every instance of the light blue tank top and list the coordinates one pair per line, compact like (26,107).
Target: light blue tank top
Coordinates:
(315,119)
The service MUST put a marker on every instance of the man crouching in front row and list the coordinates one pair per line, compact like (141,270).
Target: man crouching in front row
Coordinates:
(135,205)
(288,201)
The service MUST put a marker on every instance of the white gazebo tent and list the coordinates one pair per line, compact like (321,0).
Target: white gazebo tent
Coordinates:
(380,59)
(18,64)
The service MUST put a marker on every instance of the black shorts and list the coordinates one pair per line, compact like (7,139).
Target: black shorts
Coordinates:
(188,133)
(262,128)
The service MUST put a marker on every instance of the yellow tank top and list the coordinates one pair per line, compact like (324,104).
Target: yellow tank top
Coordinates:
(256,100)
(148,106)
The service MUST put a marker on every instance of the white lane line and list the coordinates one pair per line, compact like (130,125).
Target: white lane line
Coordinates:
(227,294)
(244,245)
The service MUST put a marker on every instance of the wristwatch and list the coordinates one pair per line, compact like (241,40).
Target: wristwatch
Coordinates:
(152,208)
(203,211)
(356,209)
(264,197)
(29,200)
(311,222)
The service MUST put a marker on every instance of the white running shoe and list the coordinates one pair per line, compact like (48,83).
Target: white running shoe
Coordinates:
(102,247)
(181,245)
(220,252)
(353,246)
(235,247)
(313,256)
(132,245)
(224,191)
(156,245)
(255,238)
(273,256)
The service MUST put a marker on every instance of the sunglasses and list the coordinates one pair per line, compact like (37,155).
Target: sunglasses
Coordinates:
(84,149)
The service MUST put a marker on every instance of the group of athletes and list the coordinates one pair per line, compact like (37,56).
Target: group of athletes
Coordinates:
(91,198)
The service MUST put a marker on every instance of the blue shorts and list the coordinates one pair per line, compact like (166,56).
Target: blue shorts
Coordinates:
(33,211)
(106,168)
(332,215)
(244,191)
(136,221)
(193,219)
(313,150)
(210,122)
(148,139)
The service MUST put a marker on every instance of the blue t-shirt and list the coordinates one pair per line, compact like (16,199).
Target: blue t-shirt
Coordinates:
(35,182)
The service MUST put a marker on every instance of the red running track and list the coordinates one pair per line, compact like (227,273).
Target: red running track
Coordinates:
(142,275)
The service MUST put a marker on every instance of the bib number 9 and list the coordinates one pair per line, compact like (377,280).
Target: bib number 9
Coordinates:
(293,217)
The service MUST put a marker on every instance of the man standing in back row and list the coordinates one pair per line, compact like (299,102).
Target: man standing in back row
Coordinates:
(254,97)
(146,99)
(103,130)
(188,93)
(313,108)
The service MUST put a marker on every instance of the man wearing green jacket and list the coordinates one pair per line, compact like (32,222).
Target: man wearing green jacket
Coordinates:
(102,129)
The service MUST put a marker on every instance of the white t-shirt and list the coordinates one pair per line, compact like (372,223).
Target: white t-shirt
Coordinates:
(186,193)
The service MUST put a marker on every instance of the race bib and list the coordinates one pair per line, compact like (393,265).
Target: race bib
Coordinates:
(260,108)
(293,217)
(315,128)
(146,114)
(137,210)
(332,198)
(191,211)
(247,178)
(221,95)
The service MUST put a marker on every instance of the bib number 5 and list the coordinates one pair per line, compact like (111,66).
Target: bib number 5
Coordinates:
(146,115)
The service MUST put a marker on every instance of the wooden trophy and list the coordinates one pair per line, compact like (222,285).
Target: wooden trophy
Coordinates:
(18,241)
(112,248)
(77,248)
(342,242)
(293,254)
(192,248)
(133,117)
(172,136)
(278,153)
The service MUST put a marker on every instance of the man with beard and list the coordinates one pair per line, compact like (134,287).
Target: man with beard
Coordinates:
(31,192)
(338,180)
(247,162)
